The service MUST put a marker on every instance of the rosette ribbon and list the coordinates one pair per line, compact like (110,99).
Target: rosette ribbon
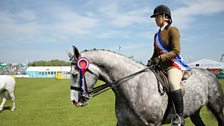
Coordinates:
(83,64)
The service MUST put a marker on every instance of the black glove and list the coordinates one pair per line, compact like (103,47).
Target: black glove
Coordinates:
(154,61)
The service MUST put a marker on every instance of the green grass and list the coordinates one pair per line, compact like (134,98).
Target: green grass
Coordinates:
(46,102)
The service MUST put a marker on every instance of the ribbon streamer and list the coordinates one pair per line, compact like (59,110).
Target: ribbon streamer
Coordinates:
(83,64)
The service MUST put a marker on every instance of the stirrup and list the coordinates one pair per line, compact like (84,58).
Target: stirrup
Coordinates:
(177,120)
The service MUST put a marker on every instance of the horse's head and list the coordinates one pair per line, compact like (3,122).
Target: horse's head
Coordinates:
(83,77)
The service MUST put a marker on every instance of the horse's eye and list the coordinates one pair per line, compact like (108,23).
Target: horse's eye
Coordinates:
(74,75)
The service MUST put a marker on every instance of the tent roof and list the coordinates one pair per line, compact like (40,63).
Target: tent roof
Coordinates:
(207,63)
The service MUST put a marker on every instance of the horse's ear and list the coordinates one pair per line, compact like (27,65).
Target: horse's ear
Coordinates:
(69,54)
(76,52)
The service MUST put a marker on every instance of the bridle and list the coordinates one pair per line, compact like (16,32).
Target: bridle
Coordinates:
(79,88)
(107,86)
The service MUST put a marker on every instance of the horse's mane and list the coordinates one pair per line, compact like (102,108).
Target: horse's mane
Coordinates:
(113,52)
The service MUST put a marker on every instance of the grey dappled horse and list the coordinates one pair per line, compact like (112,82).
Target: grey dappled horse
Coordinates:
(7,83)
(138,101)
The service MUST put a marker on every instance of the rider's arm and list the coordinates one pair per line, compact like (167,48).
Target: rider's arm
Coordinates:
(174,45)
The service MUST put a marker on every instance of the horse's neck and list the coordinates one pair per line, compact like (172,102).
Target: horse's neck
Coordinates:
(114,65)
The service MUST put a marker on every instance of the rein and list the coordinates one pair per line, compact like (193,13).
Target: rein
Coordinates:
(107,86)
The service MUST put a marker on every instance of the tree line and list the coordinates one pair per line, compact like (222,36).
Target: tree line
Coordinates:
(55,62)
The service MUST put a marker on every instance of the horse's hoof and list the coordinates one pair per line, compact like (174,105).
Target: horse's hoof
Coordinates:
(13,109)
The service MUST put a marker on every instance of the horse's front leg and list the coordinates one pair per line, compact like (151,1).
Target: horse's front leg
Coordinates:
(2,94)
(13,100)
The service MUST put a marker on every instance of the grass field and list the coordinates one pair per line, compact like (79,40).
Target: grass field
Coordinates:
(46,102)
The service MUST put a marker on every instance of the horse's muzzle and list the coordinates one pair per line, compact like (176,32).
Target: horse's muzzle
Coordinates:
(79,104)
(76,104)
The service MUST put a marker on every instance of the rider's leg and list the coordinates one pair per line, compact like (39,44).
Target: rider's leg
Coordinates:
(174,78)
(178,101)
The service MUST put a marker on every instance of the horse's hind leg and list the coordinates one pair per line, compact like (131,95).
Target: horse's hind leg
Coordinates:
(196,119)
(11,93)
(2,94)
(217,109)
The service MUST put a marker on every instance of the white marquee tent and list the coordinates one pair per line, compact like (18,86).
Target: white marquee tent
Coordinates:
(207,64)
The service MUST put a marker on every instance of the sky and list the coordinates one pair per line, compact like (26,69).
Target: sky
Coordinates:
(33,30)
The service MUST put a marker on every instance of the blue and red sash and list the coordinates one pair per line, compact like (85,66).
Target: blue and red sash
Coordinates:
(177,61)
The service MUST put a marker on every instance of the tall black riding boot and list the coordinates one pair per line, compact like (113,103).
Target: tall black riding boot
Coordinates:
(179,106)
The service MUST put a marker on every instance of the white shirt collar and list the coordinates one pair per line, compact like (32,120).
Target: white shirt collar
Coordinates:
(163,27)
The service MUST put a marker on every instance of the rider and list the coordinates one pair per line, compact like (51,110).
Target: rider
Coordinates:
(167,55)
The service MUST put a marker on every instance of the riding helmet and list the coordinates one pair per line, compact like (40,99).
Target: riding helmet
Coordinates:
(161,9)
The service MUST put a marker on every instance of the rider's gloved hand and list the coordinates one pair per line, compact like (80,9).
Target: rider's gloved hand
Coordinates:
(154,61)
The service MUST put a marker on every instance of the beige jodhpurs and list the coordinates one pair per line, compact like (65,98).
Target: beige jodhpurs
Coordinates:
(174,78)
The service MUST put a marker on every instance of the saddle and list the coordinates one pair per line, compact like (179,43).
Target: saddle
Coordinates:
(163,84)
